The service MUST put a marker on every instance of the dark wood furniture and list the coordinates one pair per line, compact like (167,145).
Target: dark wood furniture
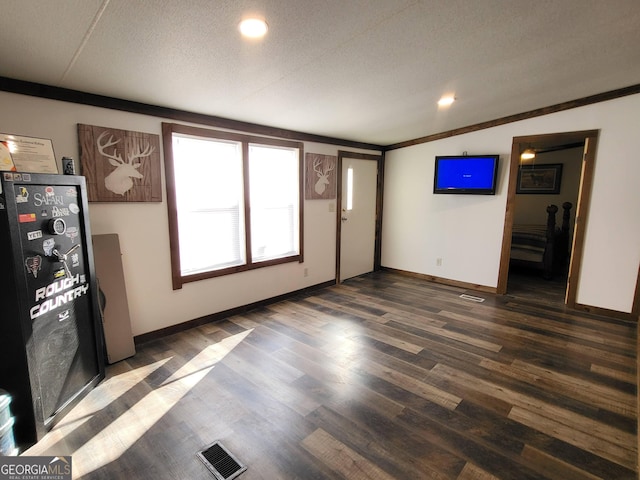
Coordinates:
(544,247)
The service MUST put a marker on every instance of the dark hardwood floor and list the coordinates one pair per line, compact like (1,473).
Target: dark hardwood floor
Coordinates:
(528,284)
(383,377)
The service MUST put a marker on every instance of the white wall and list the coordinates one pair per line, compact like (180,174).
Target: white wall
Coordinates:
(143,227)
(466,231)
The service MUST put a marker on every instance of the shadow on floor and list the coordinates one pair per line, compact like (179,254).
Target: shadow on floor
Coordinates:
(529,284)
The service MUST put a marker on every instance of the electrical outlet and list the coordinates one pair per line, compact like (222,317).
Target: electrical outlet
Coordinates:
(306,272)
(438,262)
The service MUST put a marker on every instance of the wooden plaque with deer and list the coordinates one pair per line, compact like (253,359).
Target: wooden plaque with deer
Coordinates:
(120,165)
(320,176)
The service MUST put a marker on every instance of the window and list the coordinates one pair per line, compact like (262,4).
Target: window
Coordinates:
(234,201)
(350,188)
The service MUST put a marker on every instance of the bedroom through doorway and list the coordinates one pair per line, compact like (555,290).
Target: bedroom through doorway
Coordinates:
(544,221)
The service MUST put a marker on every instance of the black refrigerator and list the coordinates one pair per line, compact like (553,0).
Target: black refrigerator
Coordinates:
(51,336)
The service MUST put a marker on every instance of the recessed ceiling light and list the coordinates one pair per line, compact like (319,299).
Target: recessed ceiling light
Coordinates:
(253,27)
(528,154)
(446,100)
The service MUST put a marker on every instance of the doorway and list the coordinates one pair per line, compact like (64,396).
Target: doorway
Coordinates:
(359,212)
(549,143)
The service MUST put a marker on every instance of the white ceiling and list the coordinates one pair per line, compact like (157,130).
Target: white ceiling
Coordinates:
(363,70)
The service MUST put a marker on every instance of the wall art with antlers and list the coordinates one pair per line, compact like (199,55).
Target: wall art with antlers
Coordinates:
(320,176)
(120,165)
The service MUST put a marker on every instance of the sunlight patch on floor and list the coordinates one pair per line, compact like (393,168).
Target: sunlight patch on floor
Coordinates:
(122,433)
(107,392)
(108,444)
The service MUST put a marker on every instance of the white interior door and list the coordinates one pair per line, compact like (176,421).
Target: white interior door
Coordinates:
(358,214)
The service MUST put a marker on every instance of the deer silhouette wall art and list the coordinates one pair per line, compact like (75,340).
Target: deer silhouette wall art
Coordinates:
(323,176)
(120,165)
(320,177)
(119,181)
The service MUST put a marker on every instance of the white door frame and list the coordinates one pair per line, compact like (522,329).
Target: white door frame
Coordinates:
(379,189)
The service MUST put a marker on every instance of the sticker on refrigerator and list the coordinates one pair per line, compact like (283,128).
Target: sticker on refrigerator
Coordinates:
(60,273)
(34,235)
(48,245)
(23,195)
(33,264)
(47,199)
(72,233)
(59,211)
(26,217)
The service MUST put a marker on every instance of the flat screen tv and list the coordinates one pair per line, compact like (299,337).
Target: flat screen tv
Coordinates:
(473,174)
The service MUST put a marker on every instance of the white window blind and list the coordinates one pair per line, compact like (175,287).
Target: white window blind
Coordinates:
(274,199)
(235,202)
(210,203)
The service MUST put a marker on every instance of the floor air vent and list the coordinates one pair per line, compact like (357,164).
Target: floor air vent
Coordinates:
(472,298)
(220,462)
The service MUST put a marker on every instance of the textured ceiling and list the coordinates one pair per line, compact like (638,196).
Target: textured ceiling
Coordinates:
(369,71)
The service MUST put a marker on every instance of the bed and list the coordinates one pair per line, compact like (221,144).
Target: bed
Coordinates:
(544,247)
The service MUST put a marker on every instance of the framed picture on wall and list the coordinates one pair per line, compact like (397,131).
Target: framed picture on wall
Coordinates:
(320,176)
(27,154)
(539,178)
(120,165)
